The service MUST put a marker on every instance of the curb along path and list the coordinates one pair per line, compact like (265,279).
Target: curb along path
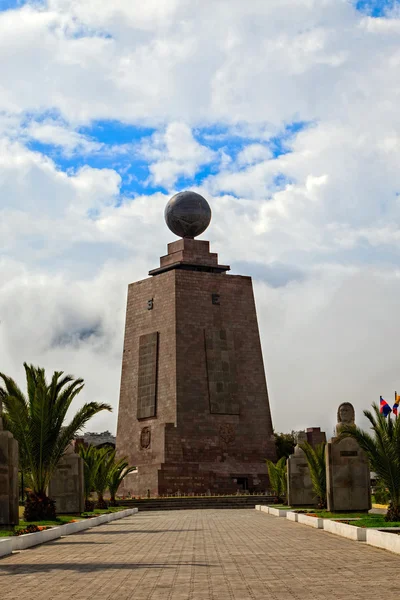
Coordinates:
(372,536)
(12,543)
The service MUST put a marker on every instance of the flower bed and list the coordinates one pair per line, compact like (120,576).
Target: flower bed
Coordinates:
(27,540)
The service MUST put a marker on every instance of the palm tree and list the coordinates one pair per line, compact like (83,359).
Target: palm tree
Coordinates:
(383,451)
(90,463)
(277,477)
(316,464)
(101,475)
(37,422)
(119,471)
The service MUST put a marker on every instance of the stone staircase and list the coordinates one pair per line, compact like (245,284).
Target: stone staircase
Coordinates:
(196,502)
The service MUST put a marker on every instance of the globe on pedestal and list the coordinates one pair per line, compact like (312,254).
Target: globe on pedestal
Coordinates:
(187,214)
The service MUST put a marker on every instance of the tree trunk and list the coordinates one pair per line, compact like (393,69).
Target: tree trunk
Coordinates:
(393,513)
(89,505)
(113,501)
(101,503)
(39,507)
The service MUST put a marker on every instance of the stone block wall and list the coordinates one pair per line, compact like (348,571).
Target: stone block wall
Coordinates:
(212,429)
(9,511)
(67,485)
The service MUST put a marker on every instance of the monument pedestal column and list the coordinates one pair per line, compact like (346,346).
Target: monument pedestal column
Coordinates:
(9,506)
(66,487)
(348,481)
(300,488)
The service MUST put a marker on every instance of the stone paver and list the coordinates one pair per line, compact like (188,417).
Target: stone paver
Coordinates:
(201,555)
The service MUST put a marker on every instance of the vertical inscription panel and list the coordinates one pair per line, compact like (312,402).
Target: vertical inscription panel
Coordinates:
(147,375)
(221,371)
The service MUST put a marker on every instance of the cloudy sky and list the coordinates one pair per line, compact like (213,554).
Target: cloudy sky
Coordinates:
(283,113)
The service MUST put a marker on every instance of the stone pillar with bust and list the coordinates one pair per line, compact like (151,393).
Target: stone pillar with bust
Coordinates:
(9,511)
(300,489)
(347,469)
(66,487)
(194,411)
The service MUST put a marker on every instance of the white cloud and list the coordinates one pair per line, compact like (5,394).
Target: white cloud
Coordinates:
(381,25)
(325,215)
(253,153)
(175,153)
(53,133)
(166,62)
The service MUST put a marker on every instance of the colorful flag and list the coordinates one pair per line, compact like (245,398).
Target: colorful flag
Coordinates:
(396,403)
(384,407)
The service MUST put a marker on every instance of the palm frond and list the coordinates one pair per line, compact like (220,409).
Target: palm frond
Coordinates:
(106,458)
(90,464)
(277,476)
(316,463)
(119,470)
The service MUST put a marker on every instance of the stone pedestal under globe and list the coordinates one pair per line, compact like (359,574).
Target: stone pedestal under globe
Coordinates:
(194,413)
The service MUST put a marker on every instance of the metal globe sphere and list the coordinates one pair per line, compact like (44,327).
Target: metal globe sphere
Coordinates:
(187,214)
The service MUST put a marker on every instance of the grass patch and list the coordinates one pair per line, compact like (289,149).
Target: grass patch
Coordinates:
(105,511)
(61,519)
(190,497)
(364,519)
(375,521)
(110,509)
(325,514)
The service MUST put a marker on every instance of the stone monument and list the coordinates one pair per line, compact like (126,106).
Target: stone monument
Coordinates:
(300,490)
(347,469)
(66,487)
(9,512)
(194,411)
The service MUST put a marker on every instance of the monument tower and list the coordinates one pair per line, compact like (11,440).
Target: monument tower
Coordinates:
(194,413)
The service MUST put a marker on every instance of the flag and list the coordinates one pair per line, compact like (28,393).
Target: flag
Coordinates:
(384,407)
(396,403)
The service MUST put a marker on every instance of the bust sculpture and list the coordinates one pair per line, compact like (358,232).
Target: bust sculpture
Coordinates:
(345,415)
(348,481)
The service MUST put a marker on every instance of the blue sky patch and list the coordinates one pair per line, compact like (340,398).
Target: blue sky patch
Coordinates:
(134,171)
(280,144)
(376,8)
(10,4)
(115,132)
(117,145)
(232,142)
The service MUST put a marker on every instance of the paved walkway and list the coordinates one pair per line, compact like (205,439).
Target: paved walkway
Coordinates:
(201,555)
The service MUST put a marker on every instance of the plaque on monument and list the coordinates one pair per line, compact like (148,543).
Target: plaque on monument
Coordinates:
(9,515)
(300,489)
(347,469)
